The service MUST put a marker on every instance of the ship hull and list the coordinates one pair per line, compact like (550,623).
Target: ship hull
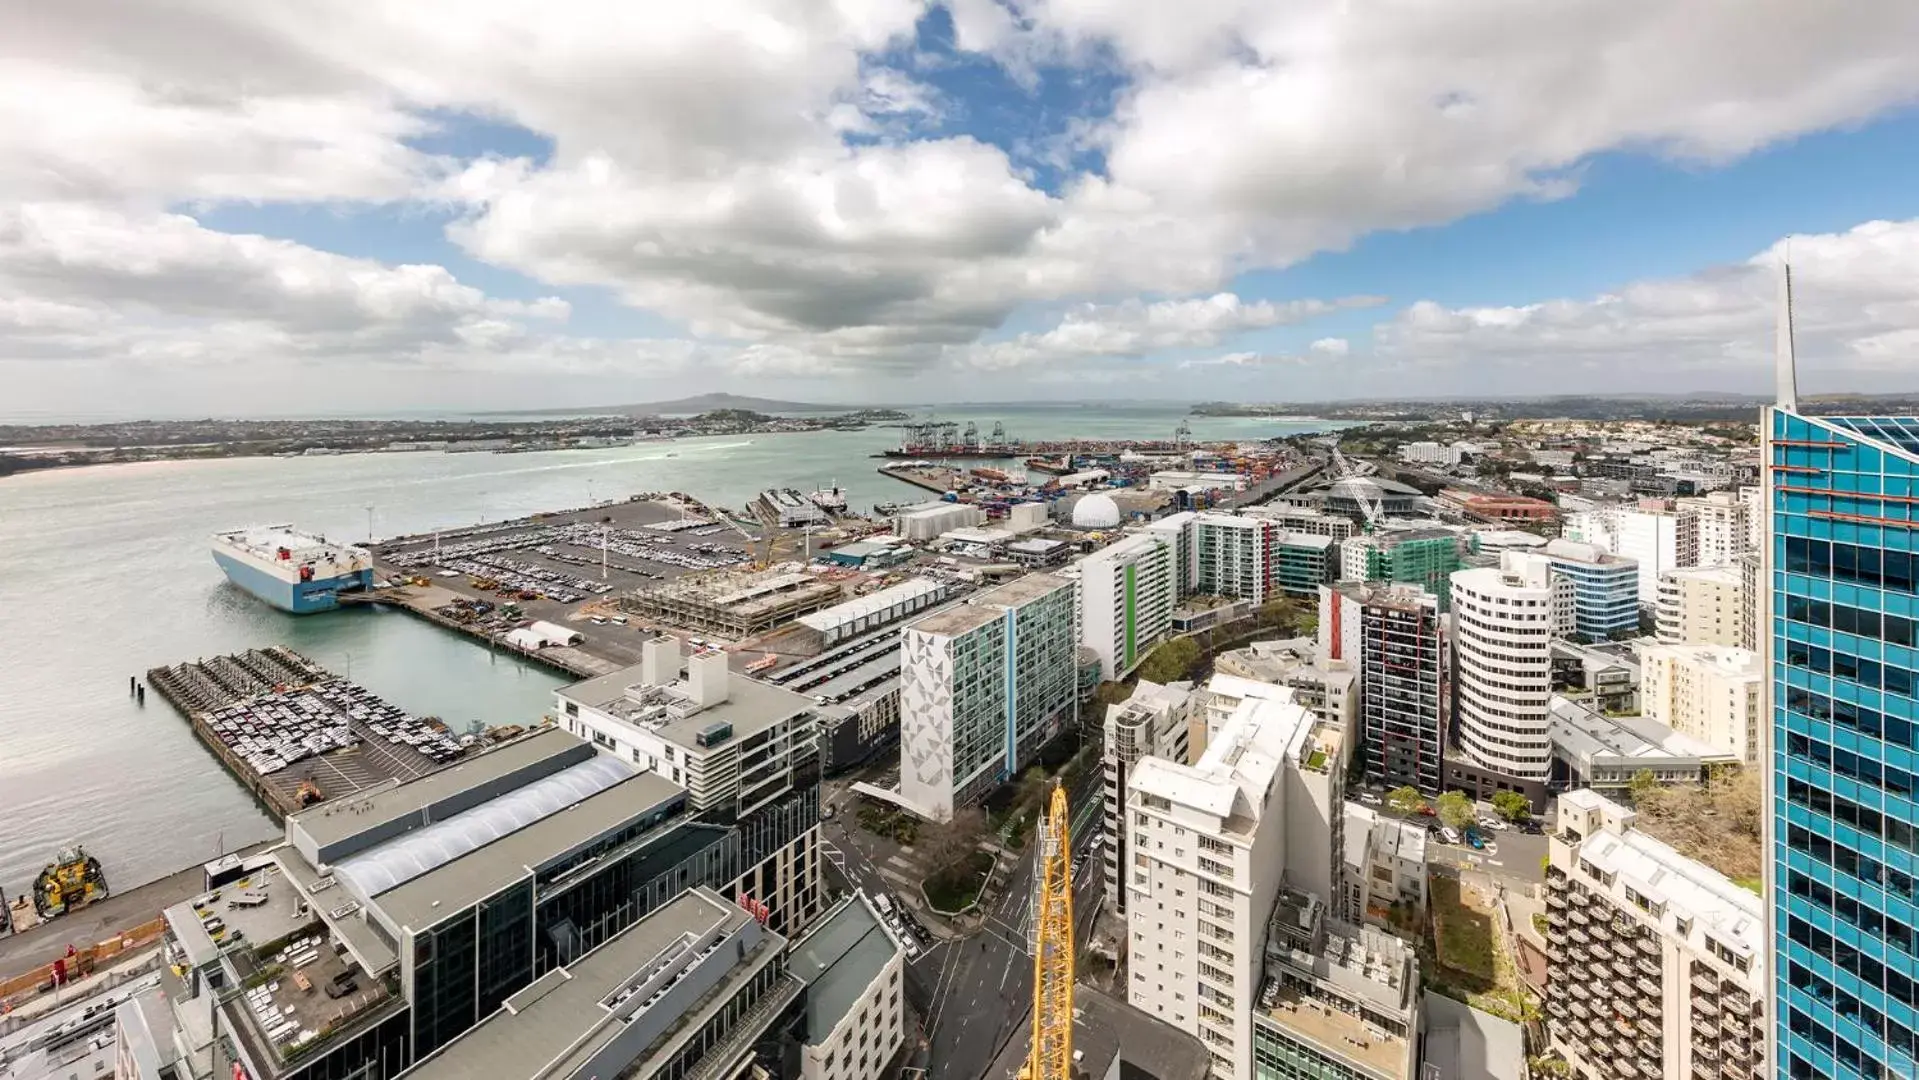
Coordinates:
(293,597)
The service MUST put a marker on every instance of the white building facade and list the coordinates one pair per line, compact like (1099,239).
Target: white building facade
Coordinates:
(1725,526)
(1152,723)
(1704,605)
(1710,692)
(1127,595)
(1211,844)
(1656,963)
(1504,621)
(983,685)
(1658,539)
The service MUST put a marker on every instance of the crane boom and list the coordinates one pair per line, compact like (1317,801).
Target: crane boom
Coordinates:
(1051,1056)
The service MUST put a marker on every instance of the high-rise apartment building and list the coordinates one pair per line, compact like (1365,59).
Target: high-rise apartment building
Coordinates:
(1701,605)
(1181,533)
(1504,620)
(1422,557)
(1709,692)
(1235,556)
(1151,723)
(1657,964)
(1842,578)
(1127,595)
(1755,499)
(1656,537)
(1391,635)
(1751,576)
(1725,525)
(1210,845)
(1302,562)
(983,685)
(1330,688)
(1605,588)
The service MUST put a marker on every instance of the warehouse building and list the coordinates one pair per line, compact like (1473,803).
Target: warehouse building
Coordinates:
(864,613)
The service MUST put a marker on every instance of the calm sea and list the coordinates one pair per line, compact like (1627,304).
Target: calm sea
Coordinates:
(104,573)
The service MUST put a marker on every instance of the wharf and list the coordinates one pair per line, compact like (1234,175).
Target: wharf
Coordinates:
(431,602)
(936,479)
(294,704)
(119,914)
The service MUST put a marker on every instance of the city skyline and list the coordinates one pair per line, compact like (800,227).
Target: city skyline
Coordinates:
(939,202)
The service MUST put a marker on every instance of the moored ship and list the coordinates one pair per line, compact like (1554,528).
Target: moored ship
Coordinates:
(71,881)
(294,571)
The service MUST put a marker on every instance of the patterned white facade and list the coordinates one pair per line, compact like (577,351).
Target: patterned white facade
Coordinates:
(983,685)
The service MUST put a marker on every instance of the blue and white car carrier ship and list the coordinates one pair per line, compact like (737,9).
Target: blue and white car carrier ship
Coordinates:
(292,570)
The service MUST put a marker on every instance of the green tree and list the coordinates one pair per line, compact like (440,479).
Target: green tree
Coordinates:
(1456,809)
(1642,784)
(1512,806)
(1171,662)
(1404,800)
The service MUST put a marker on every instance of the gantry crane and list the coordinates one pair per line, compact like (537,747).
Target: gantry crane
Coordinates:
(1051,1056)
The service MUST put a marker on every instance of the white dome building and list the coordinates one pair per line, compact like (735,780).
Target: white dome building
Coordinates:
(1096,511)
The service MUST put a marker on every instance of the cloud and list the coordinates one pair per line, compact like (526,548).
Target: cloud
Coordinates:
(1136,328)
(1854,311)
(1331,346)
(88,279)
(757,174)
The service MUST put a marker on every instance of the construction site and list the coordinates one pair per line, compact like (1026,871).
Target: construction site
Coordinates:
(738,603)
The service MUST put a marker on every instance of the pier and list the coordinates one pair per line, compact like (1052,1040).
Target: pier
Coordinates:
(292,734)
(937,479)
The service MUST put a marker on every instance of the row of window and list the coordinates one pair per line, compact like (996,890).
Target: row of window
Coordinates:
(1866,918)
(1851,863)
(1894,629)
(1894,780)
(1892,729)
(1860,565)
(1843,665)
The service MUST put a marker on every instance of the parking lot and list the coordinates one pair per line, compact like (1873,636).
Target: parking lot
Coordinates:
(1509,852)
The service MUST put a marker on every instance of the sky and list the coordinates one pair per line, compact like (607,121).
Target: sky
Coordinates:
(255,207)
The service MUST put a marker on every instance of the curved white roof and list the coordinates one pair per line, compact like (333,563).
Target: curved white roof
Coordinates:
(400,861)
(1096,511)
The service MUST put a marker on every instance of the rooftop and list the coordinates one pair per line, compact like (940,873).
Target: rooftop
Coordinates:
(838,960)
(990,605)
(553,1028)
(1110,1033)
(750,706)
(872,603)
(453,886)
(1589,735)
(1719,575)
(1343,986)
(1464,1043)
(1688,889)
(381,811)
(1232,778)
(1037,545)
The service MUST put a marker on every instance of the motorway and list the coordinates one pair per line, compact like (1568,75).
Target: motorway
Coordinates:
(974,992)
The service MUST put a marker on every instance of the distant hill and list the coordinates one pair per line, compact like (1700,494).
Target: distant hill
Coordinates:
(699,403)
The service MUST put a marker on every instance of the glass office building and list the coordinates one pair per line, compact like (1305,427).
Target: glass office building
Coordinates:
(1842,565)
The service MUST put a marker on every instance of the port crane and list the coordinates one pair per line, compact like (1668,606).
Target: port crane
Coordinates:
(1051,1054)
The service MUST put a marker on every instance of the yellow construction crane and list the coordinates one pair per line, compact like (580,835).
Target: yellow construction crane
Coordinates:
(1051,1056)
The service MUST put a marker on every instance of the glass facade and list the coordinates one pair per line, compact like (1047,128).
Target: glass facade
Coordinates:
(1844,800)
(1605,597)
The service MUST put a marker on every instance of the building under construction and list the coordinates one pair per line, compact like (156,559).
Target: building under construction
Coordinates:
(735,603)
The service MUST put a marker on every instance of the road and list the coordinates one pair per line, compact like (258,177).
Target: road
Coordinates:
(983,987)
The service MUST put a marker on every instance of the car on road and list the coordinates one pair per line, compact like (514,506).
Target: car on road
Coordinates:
(1370,799)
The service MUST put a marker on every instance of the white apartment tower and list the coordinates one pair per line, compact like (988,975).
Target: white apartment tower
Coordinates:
(1658,538)
(1151,723)
(983,685)
(1127,595)
(1725,526)
(1504,621)
(1709,692)
(1656,963)
(1210,846)
(1702,605)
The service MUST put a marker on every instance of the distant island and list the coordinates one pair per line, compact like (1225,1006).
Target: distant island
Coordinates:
(1676,408)
(722,403)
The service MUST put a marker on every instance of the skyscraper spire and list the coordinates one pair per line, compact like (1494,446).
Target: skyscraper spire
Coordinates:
(1785,373)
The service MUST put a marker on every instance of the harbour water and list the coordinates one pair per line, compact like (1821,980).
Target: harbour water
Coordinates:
(104,573)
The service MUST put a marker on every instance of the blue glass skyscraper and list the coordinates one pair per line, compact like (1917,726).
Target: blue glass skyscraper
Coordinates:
(1842,810)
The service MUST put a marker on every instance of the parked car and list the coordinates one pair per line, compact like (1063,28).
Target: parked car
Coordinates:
(1367,798)
(1449,834)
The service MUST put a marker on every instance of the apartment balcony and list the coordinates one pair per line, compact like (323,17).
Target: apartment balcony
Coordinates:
(1556,935)
(1580,990)
(1647,1048)
(1648,944)
(1556,1007)
(1705,986)
(1581,898)
(1556,899)
(1648,1028)
(1580,1008)
(1648,1004)
(1580,936)
(1602,951)
(1651,1070)
(1705,1034)
(1580,918)
(1647,966)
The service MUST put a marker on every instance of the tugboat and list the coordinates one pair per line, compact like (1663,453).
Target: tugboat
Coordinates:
(70,882)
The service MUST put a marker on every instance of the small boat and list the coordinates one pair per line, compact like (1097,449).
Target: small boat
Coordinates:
(71,881)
